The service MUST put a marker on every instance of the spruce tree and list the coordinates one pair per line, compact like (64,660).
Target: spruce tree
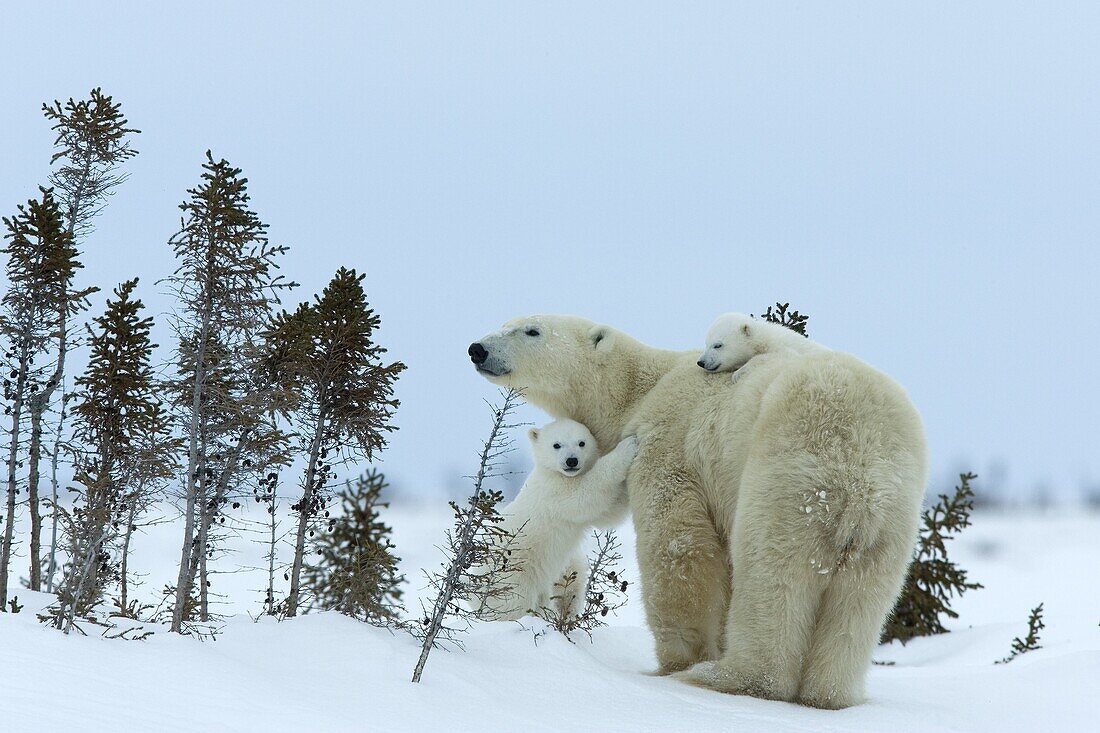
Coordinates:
(122,434)
(91,141)
(782,314)
(328,358)
(356,571)
(227,284)
(41,260)
(933,579)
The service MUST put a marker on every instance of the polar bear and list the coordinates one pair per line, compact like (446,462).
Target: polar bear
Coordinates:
(798,487)
(735,338)
(570,490)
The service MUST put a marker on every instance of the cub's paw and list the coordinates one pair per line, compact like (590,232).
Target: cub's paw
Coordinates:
(628,446)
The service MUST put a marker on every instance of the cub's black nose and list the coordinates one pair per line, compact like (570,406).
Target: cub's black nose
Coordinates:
(571,461)
(700,363)
(477,353)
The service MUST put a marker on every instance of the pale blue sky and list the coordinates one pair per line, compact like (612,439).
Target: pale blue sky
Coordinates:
(923,179)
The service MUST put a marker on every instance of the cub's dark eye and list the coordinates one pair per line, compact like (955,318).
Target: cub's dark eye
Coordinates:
(557,446)
(581,444)
(718,346)
(532,332)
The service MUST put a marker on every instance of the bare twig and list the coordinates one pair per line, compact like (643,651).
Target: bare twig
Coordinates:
(477,541)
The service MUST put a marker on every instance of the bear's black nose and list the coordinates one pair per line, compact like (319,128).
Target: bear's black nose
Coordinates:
(700,362)
(571,461)
(477,353)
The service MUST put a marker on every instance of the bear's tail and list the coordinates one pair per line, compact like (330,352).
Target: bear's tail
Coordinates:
(860,522)
(872,498)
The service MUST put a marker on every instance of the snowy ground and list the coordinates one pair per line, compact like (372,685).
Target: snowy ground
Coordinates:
(324,672)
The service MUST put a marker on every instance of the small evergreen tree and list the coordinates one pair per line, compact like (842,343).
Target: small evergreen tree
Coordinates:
(1030,642)
(227,284)
(356,571)
(154,463)
(41,260)
(934,579)
(123,433)
(327,354)
(476,541)
(267,492)
(92,141)
(782,315)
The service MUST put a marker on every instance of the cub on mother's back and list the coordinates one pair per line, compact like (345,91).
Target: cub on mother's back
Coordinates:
(735,338)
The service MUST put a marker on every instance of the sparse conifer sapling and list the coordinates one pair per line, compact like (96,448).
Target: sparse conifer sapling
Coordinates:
(266,493)
(154,463)
(934,580)
(1030,642)
(356,572)
(121,450)
(780,313)
(478,550)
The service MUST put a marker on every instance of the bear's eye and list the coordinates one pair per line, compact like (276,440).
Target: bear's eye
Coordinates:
(532,332)
(717,346)
(557,446)
(581,444)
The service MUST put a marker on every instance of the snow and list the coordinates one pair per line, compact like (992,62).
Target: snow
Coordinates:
(325,672)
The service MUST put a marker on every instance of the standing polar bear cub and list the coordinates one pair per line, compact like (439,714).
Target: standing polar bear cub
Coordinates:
(735,338)
(570,490)
(775,514)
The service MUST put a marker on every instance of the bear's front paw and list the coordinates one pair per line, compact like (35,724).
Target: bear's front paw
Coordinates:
(699,675)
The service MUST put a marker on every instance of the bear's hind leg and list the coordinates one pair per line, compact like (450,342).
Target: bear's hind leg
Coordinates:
(777,587)
(568,592)
(685,578)
(855,606)
(770,622)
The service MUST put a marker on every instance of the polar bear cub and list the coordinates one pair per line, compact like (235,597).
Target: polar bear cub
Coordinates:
(570,490)
(735,338)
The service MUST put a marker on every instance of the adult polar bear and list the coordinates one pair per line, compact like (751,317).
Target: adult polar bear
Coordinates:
(805,478)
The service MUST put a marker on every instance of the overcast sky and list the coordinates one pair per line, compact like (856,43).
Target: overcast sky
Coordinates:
(923,179)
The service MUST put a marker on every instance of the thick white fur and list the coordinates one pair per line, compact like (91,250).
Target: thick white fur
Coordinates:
(735,338)
(553,511)
(798,487)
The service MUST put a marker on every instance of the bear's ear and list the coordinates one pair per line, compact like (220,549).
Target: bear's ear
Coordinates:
(601,337)
(533,435)
(745,330)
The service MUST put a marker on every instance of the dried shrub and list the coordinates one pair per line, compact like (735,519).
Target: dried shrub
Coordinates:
(604,590)
(471,583)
